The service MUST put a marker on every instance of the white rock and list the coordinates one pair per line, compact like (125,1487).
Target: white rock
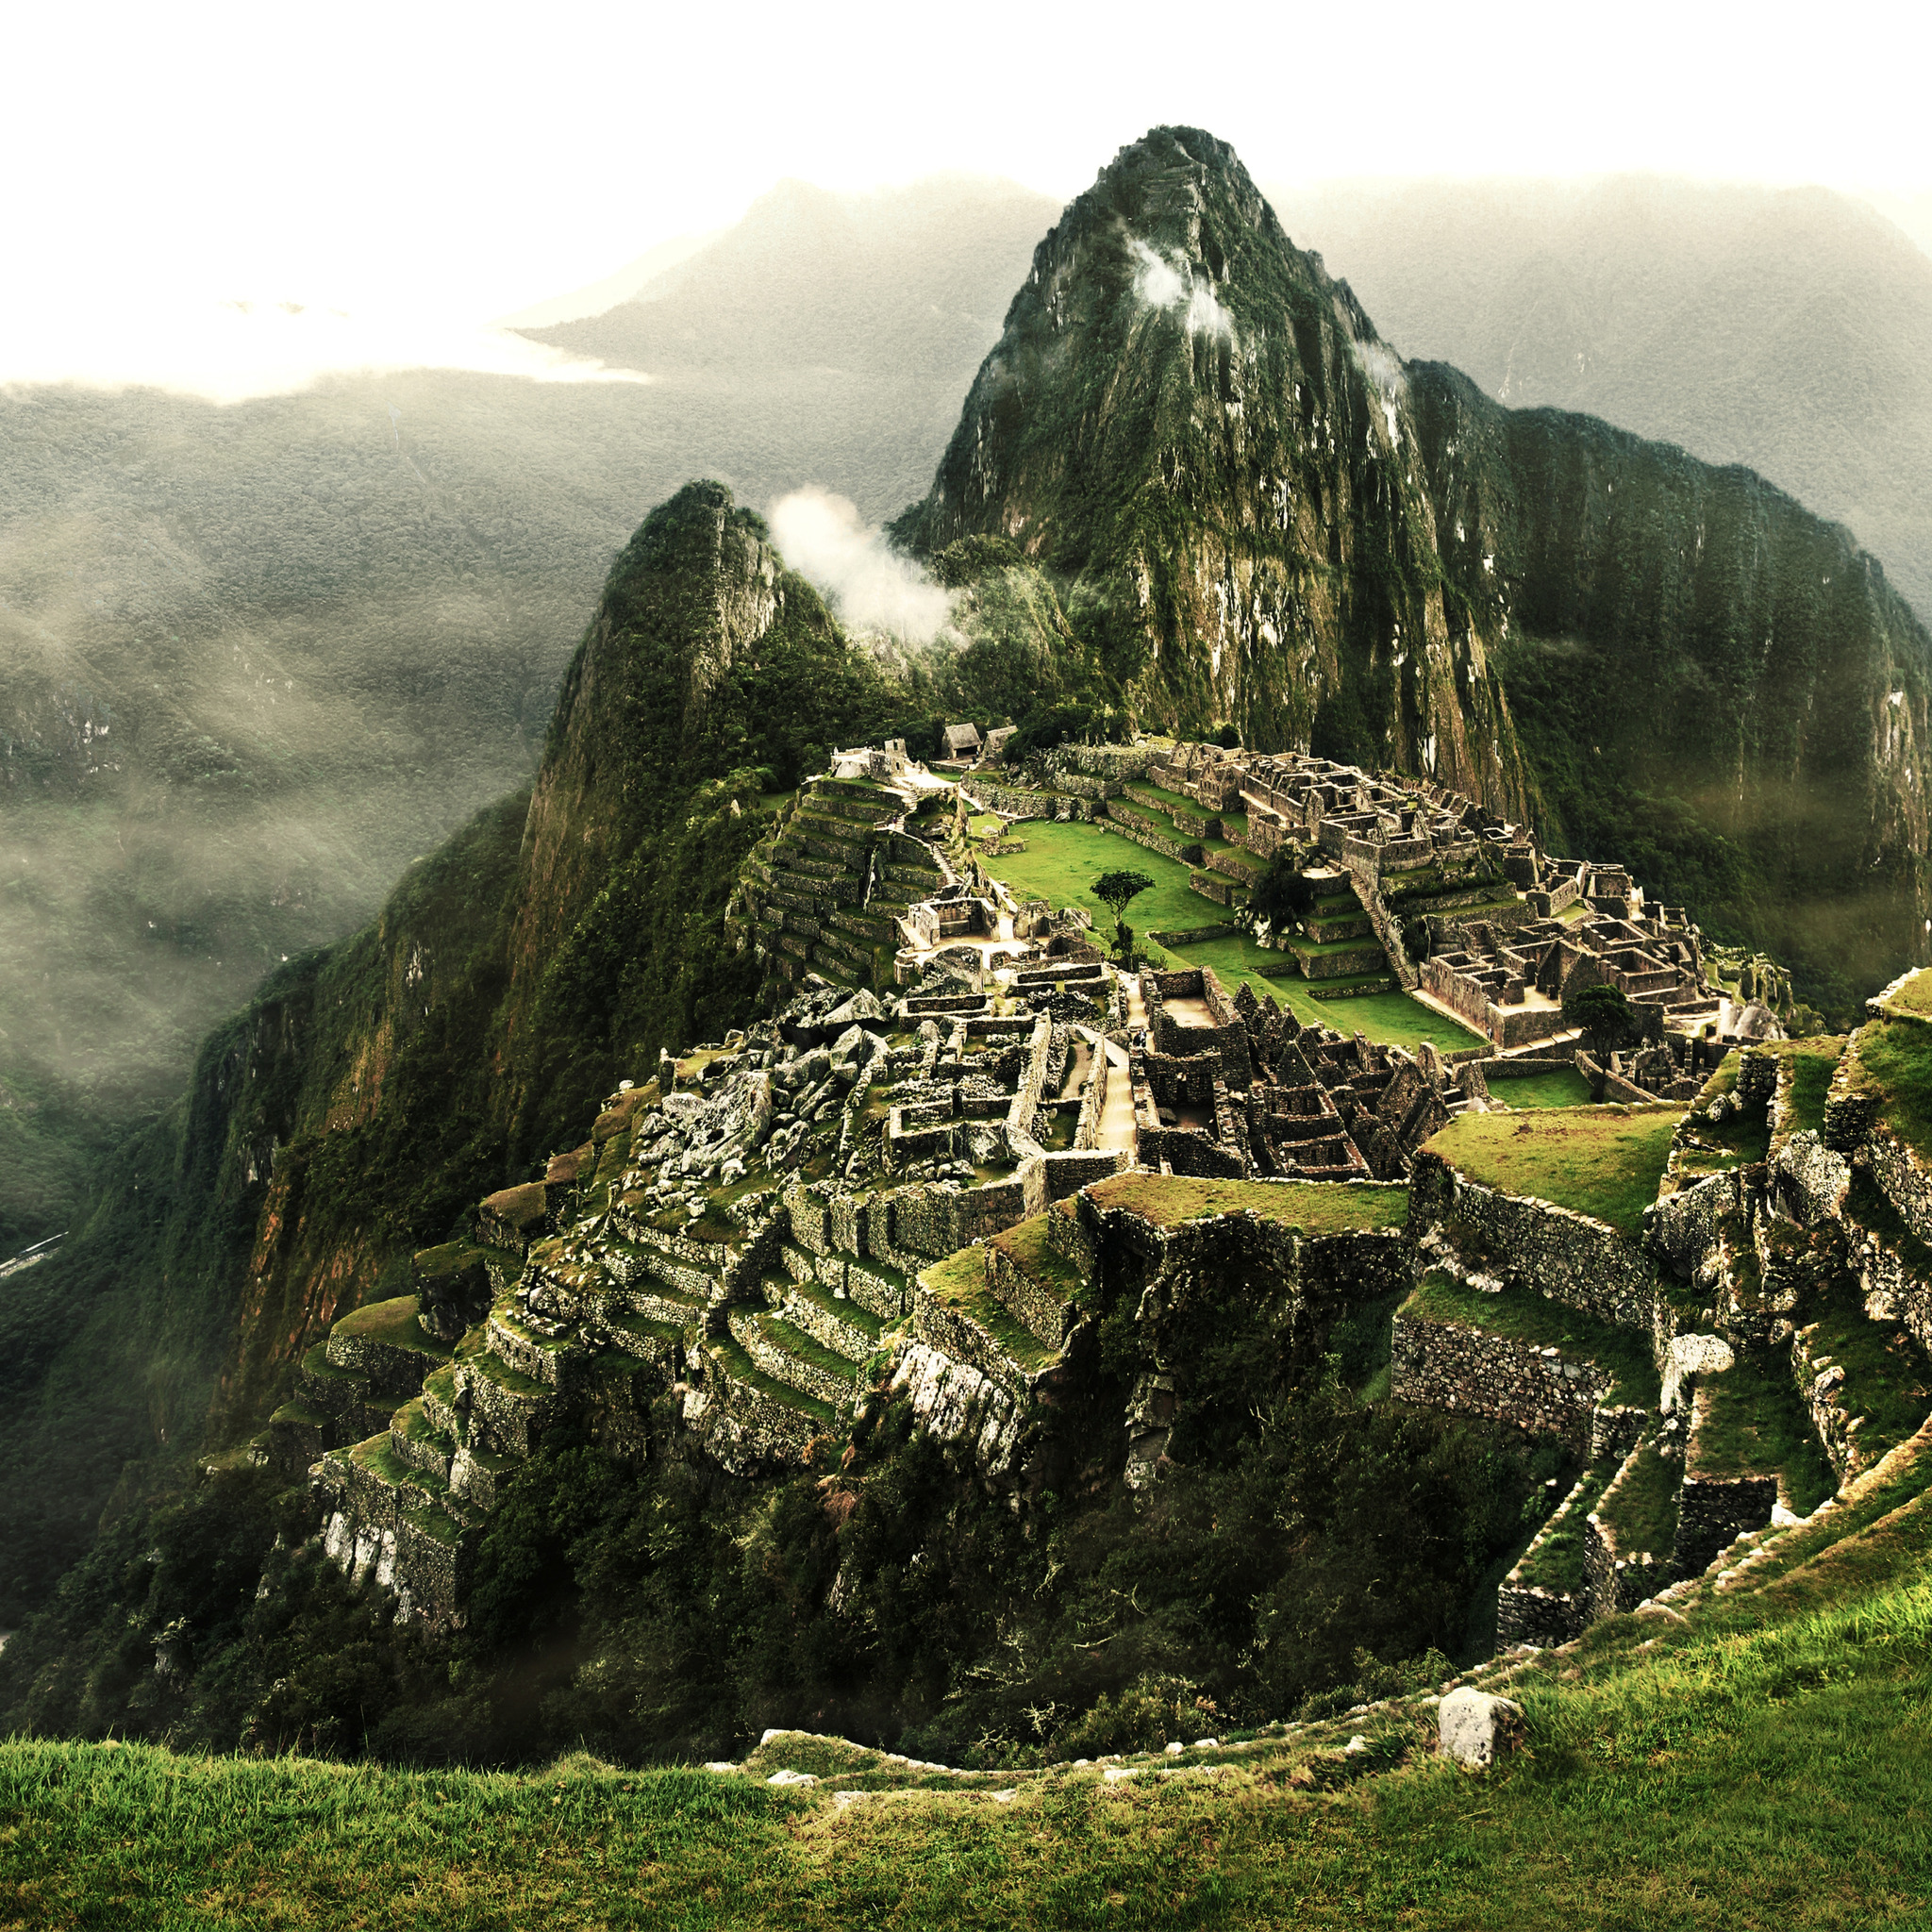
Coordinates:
(1693,1355)
(721,1764)
(1175,1749)
(1477,1728)
(1206,1744)
(770,1735)
(1119,1774)
(1356,1744)
(791,1777)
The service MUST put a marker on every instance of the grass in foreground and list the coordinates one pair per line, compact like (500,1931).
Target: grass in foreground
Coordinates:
(1315,1206)
(1730,1777)
(1602,1161)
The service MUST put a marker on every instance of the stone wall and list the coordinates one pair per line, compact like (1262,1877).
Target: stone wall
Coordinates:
(1449,1366)
(1585,1264)
(1893,1292)
(1904,1177)
(1821,1388)
(1812,1177)
(1043,1313)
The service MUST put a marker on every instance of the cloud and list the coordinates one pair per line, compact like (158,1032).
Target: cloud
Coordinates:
(227,352)
(1164,284)
(870,585)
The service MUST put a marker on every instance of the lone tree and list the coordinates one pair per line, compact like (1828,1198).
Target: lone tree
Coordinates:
(1604,1013)
(1117,890)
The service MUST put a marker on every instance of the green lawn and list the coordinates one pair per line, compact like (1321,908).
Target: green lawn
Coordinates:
(1597,1161)
(1387,1019)
(1565,1089)
(1062,862)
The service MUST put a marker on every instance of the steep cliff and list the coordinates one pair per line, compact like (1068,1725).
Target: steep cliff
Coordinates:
(1254,513)
(1198,431)
(376,1088)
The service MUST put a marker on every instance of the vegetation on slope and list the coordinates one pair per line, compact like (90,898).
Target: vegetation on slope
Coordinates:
(1765,1767)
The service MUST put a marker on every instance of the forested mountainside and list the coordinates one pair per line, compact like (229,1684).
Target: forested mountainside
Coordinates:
(373,1088)
(256,658)
(1788,330)
(1255,514)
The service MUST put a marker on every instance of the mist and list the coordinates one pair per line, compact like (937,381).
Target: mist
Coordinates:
(867,583)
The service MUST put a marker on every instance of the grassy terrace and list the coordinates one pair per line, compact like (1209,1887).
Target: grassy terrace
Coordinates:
(1527,1317)
(1556,1562)
(1643,1515)
(1565,1089)
(1893,1059)
(1754,1425)
(394,1323)
(1026,1245)
(1813,1063)
(958,1283)
(738,1367)
(1600,1161)
(1314,1207)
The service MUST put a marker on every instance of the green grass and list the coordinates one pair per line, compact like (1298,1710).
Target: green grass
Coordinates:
(1767,1769)
(959,1283)
(1643,1515)
(1754,1424)
(1556,1562)
(1813,1063)
(1565,1089)
(1893,1059)
(1530,1317)
(1026,1245)
(1596,1160)
(740,1367)
(1315,1206)
(394,1323)
(1914,996)
(1062,861)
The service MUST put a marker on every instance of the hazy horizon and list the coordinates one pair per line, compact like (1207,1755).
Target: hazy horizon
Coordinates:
(229,204)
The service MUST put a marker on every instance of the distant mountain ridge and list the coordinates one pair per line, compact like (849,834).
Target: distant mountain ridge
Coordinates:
(1788,330)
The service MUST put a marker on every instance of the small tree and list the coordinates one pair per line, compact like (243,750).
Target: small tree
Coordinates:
(1117,890)
(1603,1011)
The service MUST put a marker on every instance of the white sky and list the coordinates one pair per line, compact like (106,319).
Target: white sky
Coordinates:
(423,169)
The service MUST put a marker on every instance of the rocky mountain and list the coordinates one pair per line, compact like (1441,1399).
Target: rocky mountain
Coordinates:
(1788,330)
(1255,513)
(373,1088)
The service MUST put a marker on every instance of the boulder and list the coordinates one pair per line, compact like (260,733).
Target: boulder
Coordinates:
(1477,1728)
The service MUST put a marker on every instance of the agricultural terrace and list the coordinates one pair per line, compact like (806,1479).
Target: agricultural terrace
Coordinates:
(1062,861)
(1566,1088)
(1892,1059)
(1314,1207)
(1605,1161)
